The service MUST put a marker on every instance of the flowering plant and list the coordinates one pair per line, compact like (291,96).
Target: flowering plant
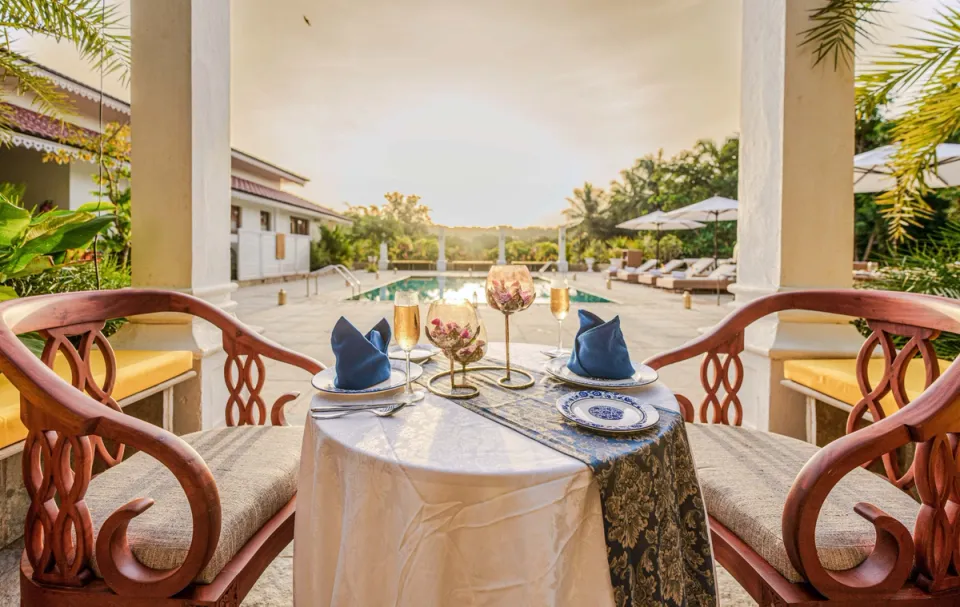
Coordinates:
(454,339)
(508,298)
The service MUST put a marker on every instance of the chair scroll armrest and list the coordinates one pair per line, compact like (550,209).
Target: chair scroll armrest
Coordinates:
(890,563)
(244,373)
(120,569)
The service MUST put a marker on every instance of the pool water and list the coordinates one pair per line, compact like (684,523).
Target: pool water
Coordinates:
(434,288)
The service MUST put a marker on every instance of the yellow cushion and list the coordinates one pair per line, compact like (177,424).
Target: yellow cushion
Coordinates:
(137,370)
(838,378)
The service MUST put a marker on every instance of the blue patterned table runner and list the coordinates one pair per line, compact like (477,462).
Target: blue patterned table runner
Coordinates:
(658,543)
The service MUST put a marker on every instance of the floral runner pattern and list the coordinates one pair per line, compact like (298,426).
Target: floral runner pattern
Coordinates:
(658,543)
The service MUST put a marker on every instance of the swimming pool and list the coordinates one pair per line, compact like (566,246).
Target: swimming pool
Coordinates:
(433,288)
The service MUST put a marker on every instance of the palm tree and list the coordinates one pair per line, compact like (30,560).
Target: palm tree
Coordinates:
(927,71)
(91,26)
(587,206)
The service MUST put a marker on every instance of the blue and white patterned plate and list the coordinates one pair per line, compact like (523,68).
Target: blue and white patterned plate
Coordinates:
(607,411)
(323,380)
(642,376)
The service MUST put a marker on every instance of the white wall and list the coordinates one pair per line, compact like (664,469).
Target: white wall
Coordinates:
(256,249)
(45,180)
(82,184)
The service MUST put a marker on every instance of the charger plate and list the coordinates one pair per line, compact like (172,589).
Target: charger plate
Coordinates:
(324,380)
(642,376)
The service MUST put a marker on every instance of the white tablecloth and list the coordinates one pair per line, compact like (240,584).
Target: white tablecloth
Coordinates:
(438,506)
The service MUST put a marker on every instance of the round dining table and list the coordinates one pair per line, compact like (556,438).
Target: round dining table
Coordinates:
(439,506)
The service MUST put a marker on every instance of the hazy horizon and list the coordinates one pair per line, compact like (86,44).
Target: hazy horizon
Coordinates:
(491,112)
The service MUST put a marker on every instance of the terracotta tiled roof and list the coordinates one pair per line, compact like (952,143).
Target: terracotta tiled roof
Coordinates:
(249,187)
(31,123)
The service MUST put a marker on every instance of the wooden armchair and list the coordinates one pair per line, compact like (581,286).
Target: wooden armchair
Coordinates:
(799,525)
(190,520)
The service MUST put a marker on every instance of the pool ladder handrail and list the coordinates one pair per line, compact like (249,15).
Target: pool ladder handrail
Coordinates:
(352,281)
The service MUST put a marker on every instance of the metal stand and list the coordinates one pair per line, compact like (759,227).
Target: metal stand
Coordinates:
(464,391)
(506,380)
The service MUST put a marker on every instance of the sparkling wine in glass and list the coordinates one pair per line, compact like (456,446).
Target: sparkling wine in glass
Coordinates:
(406,330)
(559,307)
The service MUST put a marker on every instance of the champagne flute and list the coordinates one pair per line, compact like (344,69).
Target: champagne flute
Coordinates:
(406,330)
(559,307)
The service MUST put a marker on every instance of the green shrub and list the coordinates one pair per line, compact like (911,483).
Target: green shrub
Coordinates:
(334,247)
(929,267)
(80,277)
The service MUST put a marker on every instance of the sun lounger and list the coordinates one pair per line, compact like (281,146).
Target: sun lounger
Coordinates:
(631,274)
(650,278)
(722,277)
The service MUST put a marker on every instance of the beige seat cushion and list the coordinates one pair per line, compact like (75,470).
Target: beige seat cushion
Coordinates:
(746,475)
(255,468)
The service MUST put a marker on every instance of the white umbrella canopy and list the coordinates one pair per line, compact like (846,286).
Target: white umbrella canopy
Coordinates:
(658,220)
(872,172)
(715,209)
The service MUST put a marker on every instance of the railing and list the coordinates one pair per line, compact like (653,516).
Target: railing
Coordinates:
(352,281)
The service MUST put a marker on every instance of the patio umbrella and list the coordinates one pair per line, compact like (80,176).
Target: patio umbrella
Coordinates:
(714,209)
(658,221)
(872,172)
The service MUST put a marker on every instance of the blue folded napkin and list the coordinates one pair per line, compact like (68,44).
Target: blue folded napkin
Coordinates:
(599,349)
(361,359)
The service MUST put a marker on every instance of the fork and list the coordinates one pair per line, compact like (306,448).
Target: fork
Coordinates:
(385,411)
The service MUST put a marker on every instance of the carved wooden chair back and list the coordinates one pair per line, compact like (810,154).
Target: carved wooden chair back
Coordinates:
(931,422)
(66,429)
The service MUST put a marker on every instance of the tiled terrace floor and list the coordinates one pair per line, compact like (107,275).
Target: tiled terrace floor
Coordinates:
(652,321)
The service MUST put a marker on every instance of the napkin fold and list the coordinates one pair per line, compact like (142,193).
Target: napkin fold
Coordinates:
(361,359)
(599,349)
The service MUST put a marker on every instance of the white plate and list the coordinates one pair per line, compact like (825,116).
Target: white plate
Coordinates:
(323,380)
(607,411)
(419,354)
(642,376)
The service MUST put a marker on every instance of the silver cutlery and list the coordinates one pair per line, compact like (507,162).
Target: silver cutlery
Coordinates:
(360,406)
(381,410)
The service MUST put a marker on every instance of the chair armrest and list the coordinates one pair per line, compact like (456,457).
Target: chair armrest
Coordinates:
(63,423)
(890,563)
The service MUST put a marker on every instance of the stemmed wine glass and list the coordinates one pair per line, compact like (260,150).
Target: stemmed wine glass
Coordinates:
(406,330)
(510,289)
(559,307)
(455,328)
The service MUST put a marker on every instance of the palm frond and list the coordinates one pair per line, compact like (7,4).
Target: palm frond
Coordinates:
(837,24)
(930,70)
(96,31)
(48,99)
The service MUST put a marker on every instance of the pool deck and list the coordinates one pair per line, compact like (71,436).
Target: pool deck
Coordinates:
(653,320)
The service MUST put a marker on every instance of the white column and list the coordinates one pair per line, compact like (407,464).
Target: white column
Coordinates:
(181,150)
(502,255)
(384,262)
(442,251)
(562,265)
(795,228)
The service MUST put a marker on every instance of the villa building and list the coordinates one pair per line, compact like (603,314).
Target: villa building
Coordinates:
(270,227)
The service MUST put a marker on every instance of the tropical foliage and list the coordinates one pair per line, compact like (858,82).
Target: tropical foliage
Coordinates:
(923,75)
(653,183)
(96,31)
(41,239)
(111,152)
(927,267)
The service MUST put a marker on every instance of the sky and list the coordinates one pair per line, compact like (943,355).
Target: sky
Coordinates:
(492,111)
